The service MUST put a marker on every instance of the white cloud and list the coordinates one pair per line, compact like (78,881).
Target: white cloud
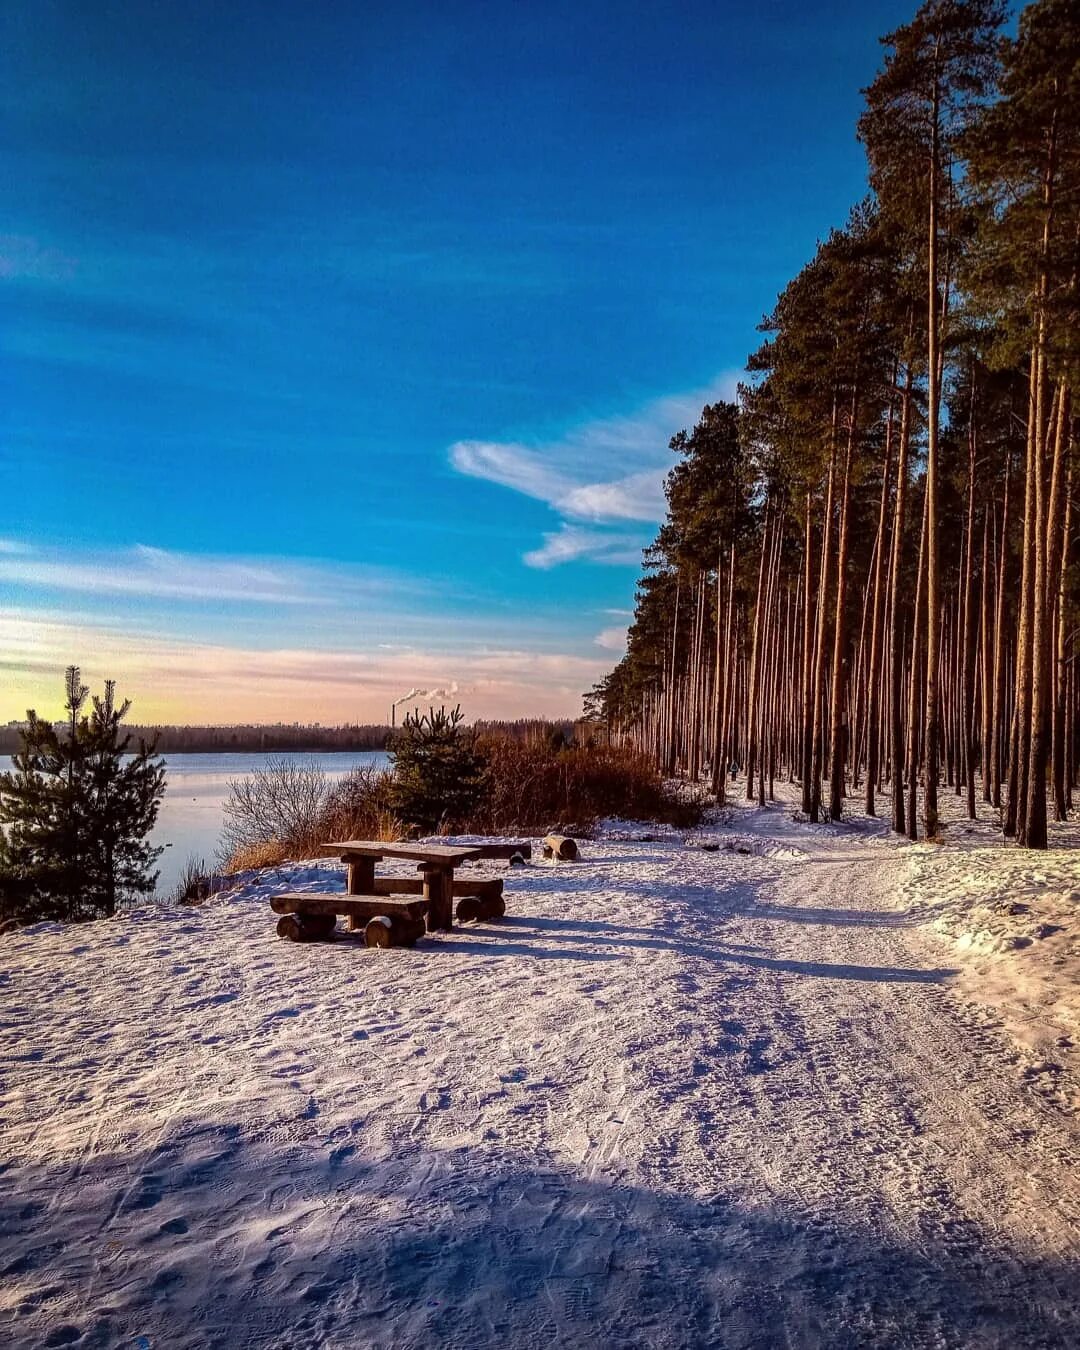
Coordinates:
(14,548)
(612,639)
(573,544)
(640,496)
(603,472)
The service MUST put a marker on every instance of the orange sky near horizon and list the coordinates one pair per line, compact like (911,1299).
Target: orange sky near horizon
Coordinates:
(174,682)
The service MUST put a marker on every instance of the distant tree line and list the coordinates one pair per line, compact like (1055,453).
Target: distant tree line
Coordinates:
(249,737)
(554,731)
(867,578)
(299,739)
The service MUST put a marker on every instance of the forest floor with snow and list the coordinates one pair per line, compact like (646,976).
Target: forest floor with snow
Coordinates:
(764,1085)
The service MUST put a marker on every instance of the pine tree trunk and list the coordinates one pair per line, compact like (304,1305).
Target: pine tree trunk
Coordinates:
(896,618)
(1061,780)
(819,646)
(984,659)
(997,748)
(807,731)
(872,672)
(1019,742)
(1047,551)
(755,651)
(839,730)
(913,701)
(930,750)
(967,707)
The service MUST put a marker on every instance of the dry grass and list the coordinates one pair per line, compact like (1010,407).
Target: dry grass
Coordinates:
(265,853)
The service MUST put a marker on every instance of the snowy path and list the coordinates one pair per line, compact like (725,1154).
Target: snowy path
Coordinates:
(678,1098)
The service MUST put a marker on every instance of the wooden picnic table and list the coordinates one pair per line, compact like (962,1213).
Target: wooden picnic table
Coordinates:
(436,863)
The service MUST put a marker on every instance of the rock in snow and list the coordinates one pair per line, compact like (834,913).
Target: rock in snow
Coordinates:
(802,1091)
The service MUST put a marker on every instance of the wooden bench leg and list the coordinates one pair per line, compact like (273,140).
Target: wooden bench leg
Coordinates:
(306,927)
(493,907)
(360,878)
(474,907)
(396,931)
(439,893)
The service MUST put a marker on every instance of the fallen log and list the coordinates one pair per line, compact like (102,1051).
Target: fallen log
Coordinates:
(560,846)
(503,850)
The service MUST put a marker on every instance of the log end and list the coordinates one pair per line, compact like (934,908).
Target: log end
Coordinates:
(379,932)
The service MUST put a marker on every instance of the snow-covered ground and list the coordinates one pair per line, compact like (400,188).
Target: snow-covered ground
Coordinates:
(769,1085)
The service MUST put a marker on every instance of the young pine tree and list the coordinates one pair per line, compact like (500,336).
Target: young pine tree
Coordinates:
(437,776)
(77,810)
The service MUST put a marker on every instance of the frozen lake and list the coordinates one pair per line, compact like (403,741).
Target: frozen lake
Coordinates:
(190,819)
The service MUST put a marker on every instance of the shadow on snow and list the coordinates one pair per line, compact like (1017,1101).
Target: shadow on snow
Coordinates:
(218,1237)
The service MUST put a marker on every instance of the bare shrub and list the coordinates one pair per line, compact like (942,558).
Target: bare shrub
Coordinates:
(358,806)
(280,805)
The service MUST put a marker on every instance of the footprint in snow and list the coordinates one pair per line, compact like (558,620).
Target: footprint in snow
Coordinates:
(66,1335)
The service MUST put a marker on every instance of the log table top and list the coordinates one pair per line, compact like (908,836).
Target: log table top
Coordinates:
(440,855)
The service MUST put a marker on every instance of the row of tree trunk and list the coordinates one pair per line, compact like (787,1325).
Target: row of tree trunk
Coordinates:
(834,672)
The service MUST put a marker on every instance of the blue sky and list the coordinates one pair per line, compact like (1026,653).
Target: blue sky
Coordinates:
(342,343)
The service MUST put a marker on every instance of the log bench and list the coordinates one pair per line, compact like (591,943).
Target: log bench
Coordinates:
(370,902)
(477,897)
(308,917)
(436,865)
(386,921)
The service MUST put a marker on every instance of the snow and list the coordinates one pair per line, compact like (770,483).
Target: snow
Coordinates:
(765,1084)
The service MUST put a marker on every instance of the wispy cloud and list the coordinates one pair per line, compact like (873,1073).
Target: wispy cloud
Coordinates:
(612,639)
(164,574)
(605,472)
(571,544)
(26,258)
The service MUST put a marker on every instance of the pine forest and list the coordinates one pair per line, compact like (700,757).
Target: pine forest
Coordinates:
(868,581)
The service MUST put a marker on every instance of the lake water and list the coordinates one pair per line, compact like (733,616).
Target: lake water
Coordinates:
(190,820)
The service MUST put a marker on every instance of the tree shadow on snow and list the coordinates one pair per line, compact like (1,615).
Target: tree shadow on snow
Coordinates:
(568,932)
(214,1238)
